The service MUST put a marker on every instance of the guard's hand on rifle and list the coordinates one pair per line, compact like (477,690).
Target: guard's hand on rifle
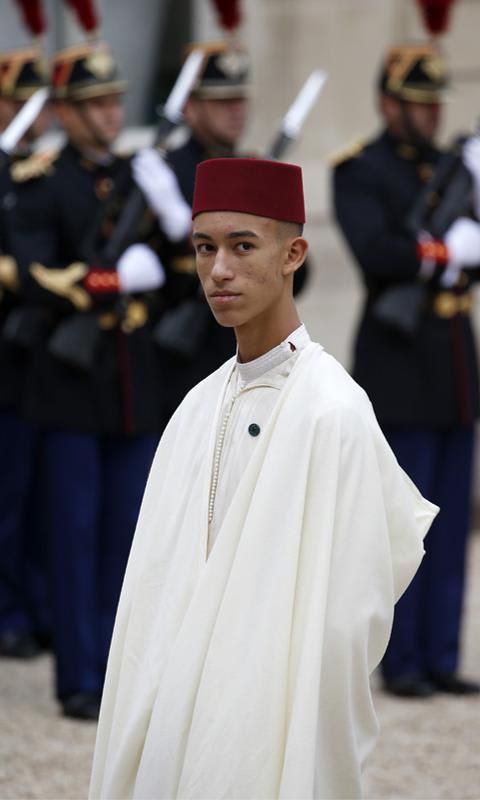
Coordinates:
(139,269)
(471,159)
(463,245)
(160,187)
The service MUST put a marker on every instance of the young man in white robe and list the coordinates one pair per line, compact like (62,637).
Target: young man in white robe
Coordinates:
(277,531)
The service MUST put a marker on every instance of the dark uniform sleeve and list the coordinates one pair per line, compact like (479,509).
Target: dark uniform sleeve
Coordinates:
(377,242)
(34,240)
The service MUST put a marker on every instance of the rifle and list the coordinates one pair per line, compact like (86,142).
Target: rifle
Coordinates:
(290,129)
(296,115)
(170,118)
(445,198)
(75,339)
(21,122)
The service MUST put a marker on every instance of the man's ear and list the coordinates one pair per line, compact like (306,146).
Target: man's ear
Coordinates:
(296,253)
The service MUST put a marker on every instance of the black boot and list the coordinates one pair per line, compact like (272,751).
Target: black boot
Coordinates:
(82,705)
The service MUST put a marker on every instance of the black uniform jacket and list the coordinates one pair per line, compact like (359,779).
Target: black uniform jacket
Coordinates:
(219,343)
(13,359)
(60,219)
(430,377)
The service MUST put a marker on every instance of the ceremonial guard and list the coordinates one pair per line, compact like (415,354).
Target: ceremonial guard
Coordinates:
(415,352)
(93,385)
(23,615)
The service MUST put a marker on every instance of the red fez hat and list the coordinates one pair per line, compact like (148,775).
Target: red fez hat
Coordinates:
(251,186)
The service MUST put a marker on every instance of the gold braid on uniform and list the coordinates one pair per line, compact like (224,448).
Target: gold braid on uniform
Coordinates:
(8,273)
(35,166)
(64,283)
(347,152)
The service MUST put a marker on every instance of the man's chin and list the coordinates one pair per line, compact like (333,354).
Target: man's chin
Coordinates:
(223,320)
(421,140)
(107,138)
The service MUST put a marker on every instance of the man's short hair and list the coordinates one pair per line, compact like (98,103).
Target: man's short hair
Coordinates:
(291,228)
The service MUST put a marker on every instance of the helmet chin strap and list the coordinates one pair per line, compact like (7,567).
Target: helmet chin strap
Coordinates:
(99,139)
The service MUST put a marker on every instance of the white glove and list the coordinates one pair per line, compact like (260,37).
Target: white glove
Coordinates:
(471,159)
(139,269)
(463,244)
(160,187)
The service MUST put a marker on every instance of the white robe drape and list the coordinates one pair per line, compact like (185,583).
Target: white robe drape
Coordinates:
(247,675)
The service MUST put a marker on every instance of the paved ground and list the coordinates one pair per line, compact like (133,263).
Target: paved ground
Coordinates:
(430,749)
(427,749)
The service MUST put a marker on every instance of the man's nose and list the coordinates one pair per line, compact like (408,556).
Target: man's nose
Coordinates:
(222,266)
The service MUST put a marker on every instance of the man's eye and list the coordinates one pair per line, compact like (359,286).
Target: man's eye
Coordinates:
(244,247)
(204,249)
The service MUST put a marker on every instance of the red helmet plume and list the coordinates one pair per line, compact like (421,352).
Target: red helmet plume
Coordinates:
(32,12)
(435,14)
(228,13)
(86,14)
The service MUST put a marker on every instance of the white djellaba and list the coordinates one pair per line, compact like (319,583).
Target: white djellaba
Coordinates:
(246,674)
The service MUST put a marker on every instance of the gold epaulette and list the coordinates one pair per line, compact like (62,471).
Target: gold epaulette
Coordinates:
(346,153)
(35,166)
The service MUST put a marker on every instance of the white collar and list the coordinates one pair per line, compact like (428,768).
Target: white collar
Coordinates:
(252,370)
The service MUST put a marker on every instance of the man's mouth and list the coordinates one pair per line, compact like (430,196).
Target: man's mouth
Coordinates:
(223,297)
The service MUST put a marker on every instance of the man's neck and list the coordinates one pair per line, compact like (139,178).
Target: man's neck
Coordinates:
(411,138)
(97,155)
(254,341)
(213,147)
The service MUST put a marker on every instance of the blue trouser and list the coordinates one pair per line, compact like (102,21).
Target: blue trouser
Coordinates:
(94,489)
(22,576)
(426,627)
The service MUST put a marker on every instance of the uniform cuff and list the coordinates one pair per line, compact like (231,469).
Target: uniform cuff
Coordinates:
(432,253)
(101,281)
